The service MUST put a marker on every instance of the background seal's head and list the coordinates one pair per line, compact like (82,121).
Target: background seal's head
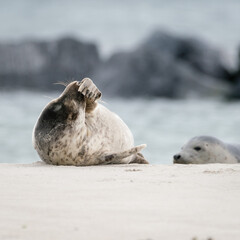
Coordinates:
(202,149)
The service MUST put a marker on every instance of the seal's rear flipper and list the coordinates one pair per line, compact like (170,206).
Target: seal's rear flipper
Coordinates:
(140,159)
(116,158)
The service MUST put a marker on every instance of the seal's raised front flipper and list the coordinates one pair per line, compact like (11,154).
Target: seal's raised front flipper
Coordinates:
(115,158)
(90,92)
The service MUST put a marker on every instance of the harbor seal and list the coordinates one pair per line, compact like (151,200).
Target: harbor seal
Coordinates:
(207,149)
(74,129)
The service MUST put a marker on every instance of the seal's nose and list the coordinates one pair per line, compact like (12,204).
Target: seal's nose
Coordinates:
(71,89)
(176,158)
(74,84)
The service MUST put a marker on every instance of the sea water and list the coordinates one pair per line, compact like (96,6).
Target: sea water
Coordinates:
(164,125)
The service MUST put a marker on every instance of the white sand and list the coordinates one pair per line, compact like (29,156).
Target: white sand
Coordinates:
(139,202)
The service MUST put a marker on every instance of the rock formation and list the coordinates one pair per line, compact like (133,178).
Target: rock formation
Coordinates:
(39,64)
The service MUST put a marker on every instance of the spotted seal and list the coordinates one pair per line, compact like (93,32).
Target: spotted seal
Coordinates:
(207,149)
(74,129)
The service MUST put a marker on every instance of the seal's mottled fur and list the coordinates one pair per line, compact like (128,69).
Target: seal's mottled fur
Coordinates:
(76,130)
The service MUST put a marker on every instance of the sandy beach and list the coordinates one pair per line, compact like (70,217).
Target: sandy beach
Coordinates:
(141,202)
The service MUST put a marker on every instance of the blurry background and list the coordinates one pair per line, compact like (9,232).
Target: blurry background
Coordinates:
(170,69)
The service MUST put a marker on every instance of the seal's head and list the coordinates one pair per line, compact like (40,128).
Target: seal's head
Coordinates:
(203,149)
(58,115)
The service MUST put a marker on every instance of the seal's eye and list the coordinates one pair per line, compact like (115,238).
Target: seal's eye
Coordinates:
(57,107)
(197,148)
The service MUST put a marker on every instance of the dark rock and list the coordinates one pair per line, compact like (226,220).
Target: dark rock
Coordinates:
(37,65)
(235,94)
(162,66)
(235,79)
(165,66)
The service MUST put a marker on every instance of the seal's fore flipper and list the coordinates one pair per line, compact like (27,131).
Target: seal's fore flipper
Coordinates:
(89,90)
(115,158)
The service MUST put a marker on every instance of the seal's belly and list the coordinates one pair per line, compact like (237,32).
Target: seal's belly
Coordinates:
(107,130)
(104,133)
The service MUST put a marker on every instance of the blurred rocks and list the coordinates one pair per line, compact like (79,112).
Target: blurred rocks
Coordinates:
(235,79)
(166,66)
(39,64)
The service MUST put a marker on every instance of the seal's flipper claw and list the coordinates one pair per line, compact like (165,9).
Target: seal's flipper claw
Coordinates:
(89,90)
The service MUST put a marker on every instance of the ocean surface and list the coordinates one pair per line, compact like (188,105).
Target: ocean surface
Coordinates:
(116,25)
(164,125)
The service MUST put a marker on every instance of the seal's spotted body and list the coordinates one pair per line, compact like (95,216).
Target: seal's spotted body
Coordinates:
(75,130)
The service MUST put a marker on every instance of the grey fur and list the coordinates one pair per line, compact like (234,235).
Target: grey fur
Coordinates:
(207,149)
